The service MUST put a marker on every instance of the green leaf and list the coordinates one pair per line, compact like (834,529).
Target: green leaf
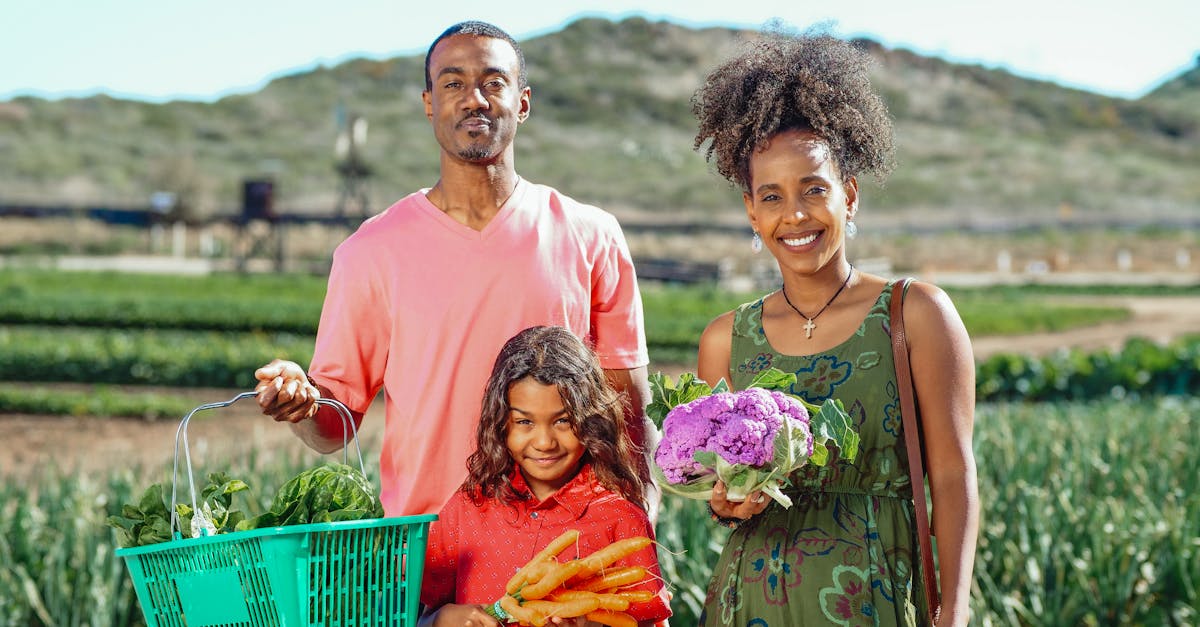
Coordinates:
(657,409)
(820,454)
(316,494)
(774,379)
(665,395)
(831,423)
(708,459)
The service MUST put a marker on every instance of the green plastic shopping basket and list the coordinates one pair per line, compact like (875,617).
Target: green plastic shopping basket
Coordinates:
(349,573)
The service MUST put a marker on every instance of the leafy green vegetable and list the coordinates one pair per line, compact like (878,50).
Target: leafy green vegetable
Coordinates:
(327,493)
(149,521)
(665,395)
(828,421)
(823,426)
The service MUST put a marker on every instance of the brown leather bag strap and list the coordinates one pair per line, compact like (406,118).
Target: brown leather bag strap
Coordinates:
(912,442)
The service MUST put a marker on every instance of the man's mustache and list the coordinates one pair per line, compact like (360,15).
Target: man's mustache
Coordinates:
(475,116)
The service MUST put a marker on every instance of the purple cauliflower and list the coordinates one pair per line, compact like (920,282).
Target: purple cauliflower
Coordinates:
(741,427)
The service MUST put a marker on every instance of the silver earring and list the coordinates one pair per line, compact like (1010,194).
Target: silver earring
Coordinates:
(756,243)
(851,229)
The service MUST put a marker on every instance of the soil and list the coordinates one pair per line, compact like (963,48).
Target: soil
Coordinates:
(35,445)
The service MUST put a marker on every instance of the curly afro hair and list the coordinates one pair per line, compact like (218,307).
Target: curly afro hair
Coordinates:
(784,81)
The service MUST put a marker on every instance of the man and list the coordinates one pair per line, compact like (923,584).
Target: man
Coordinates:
(422,296)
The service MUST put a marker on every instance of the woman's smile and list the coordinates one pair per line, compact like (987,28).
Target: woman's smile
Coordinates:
(800,241)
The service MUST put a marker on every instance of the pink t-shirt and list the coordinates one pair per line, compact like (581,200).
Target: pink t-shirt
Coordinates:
(420,304)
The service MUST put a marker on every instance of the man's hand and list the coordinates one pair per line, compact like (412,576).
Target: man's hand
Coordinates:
(284,392)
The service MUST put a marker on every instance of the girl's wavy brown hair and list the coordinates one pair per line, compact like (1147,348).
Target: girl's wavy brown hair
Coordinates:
(553,355)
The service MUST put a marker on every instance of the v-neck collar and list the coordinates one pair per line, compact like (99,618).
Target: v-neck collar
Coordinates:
(510,206)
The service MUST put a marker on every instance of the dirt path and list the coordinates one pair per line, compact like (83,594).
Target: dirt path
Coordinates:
(34,444)
(1160,319)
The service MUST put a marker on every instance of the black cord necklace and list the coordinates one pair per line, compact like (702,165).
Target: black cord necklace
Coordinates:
(810,323)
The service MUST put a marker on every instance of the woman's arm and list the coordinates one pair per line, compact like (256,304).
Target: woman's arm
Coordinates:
(715,346)
(943,368)
(712,366)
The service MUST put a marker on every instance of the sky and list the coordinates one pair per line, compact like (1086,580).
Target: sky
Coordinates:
(160,50)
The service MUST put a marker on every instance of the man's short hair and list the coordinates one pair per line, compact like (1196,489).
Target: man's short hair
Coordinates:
(478,29)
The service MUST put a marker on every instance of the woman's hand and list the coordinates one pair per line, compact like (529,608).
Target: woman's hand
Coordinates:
(284,392)
(754,504)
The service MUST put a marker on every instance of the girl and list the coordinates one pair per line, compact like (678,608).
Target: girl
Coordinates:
(793,121)
(551,454)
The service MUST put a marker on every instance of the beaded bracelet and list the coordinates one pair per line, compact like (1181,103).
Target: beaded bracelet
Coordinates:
(731,523)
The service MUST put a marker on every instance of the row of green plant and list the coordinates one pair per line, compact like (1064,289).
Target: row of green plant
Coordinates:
(228,360)
(221,302)
(674,315)
(1139,367)
(99,401)
(171,358)
(1089,518)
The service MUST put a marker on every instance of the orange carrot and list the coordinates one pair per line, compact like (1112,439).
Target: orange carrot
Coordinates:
(634,596)
(607,601)
(564,609)
(553,579)
(612,579)
(597,561)
(556,546)
(612,619)
(536,571)
(523,615)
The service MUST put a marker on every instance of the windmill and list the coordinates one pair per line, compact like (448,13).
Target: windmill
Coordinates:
(351,168)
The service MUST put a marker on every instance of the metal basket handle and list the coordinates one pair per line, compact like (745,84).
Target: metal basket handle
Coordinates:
(181,438)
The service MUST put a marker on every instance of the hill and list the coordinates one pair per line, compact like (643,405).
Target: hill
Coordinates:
(611,124)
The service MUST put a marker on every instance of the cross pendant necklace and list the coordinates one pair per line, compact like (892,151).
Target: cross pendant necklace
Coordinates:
(811,323)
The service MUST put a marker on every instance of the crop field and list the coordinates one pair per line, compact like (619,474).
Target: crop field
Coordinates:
(1089,518)
(1087,459)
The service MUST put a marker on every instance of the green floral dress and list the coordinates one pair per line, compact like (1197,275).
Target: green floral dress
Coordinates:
(846,551)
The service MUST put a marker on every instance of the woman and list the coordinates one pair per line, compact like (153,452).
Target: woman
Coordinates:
(794,121)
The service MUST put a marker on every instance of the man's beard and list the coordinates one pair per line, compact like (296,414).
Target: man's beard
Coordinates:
(474,153)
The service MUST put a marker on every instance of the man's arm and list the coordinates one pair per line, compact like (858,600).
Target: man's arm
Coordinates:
(634,387)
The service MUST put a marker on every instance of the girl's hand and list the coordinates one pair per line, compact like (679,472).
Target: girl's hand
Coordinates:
(451,615)
(754,504)
(578,621)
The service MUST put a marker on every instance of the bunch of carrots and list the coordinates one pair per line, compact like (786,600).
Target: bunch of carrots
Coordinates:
(546,588)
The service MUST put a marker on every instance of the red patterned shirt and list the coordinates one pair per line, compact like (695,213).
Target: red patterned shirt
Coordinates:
(474,550)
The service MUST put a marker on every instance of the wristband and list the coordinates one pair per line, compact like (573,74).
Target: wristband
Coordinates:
(497,612)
